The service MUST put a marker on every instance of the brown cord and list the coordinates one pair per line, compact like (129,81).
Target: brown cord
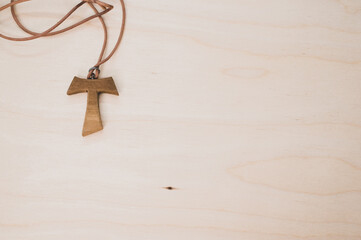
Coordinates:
(94,71)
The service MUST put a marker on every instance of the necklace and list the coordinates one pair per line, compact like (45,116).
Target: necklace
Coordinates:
(92,84)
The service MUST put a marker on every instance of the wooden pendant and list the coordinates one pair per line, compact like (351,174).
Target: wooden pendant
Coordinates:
(93,87)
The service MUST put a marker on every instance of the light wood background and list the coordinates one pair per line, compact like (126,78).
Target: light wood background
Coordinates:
(250,109)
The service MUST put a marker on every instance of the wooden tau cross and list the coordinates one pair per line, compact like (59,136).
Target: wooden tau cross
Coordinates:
(94,87)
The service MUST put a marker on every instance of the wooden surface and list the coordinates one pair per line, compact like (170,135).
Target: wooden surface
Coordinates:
(249,109)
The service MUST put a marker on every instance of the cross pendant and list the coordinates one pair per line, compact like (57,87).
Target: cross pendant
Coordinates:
(93,87)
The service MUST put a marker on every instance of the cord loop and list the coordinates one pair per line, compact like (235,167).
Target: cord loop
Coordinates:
(94,73)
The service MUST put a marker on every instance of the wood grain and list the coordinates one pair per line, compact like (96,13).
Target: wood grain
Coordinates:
(236,119)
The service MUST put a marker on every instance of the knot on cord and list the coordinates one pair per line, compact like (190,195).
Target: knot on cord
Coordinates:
(100,3)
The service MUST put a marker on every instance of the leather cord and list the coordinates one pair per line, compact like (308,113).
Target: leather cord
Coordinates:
(94,71)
